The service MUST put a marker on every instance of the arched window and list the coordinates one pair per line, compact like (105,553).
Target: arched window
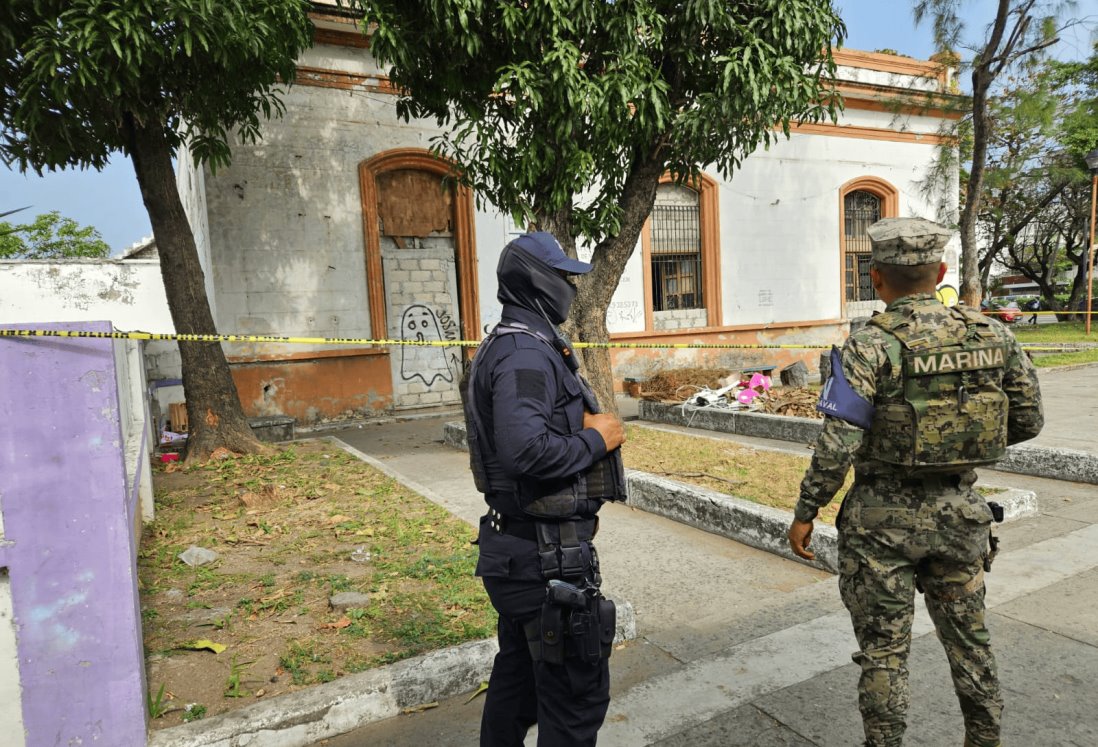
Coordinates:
(676,250)
(681,250)
(862,202)
(861,210)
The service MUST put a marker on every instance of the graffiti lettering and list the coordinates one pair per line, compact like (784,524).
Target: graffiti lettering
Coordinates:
(448,325)
(624,313)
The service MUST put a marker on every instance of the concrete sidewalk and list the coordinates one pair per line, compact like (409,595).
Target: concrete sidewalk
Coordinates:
(1071,408)
(739,647)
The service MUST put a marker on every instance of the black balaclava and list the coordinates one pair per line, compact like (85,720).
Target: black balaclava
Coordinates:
(529,283)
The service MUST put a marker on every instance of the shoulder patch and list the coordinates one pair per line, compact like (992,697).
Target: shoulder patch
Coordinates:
(839,400)
(530,384)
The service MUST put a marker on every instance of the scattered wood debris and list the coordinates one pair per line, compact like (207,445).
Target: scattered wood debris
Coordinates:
(794,401)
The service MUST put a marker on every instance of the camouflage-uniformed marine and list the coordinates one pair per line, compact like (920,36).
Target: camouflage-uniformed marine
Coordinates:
(918,398)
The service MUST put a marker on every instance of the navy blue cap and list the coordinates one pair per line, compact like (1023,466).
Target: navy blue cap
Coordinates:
(543,246)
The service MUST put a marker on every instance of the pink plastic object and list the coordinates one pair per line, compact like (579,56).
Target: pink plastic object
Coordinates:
(746,396)
(169,457)
(759,381)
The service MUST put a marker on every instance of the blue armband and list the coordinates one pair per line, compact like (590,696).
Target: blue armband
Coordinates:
(839,400)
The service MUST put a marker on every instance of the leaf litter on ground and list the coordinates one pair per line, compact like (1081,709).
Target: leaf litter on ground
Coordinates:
(292,528)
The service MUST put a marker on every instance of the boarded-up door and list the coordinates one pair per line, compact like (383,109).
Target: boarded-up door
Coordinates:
(418,253)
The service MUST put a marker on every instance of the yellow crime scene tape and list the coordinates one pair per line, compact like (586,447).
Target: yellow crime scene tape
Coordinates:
(178,337)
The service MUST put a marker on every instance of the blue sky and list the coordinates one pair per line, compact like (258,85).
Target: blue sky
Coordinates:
(110,200)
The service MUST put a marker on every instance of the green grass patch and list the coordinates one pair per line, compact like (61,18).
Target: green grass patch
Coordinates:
(765,477)
(1060,332)
(1052,360)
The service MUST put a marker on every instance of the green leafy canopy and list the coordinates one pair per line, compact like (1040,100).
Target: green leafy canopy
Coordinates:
(50,236)
(545,101)
(71,71)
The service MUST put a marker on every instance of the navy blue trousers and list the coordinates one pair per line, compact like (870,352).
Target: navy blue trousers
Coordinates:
(567,701)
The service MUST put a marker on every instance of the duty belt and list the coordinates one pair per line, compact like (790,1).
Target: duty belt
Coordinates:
(560,547)
(526,529)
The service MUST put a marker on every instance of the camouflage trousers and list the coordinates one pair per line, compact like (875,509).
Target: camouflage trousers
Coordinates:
(889,537)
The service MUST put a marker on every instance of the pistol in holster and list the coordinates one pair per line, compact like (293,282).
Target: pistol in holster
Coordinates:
(574,622)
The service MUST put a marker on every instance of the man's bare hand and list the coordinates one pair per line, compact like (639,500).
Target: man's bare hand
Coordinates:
(800,535)
(609,427)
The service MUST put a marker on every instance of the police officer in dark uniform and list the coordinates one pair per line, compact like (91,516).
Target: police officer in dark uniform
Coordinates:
(546,461)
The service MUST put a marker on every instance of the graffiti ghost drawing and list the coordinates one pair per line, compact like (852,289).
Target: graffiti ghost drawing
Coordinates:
(427,363)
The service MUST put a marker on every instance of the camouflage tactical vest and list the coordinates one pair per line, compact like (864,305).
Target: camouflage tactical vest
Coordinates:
(949,409)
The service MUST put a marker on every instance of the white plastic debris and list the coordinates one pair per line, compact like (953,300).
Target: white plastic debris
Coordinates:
(195,556)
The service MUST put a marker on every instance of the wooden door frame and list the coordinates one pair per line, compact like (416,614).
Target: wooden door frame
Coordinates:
(465,247)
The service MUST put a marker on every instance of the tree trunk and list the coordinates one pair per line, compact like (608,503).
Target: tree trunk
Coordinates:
(587,321)
(972,290)
(213,404)
(983,76)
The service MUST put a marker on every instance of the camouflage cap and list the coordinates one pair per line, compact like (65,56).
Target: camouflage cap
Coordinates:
(908,241)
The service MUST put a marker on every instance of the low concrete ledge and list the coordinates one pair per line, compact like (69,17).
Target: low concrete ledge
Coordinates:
(1058,464)
(752,524)
(742,520)
(761,526)
(753,424)
(307,716)
(1023,459)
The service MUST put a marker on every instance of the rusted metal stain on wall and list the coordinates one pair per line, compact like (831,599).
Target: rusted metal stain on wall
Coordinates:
(312,389)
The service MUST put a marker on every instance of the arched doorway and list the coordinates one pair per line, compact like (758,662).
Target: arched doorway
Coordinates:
(420,271)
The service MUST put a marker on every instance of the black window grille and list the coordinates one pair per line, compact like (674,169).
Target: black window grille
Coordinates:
(676,258)
(861,210)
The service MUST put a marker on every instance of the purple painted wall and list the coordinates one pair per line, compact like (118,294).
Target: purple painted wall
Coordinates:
(63,491)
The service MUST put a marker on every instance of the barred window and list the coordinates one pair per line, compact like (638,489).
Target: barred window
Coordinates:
(861,209)
(676,250)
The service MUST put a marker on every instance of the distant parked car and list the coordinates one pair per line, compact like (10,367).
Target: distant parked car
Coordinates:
(1008,313)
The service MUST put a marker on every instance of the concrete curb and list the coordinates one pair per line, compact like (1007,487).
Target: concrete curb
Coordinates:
(1038,461)
(750,523)
(304,717)
(764,527)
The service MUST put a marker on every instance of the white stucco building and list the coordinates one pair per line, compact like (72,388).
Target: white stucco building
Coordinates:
(338,224)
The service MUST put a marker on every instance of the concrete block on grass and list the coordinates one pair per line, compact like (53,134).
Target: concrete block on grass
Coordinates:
(273,428)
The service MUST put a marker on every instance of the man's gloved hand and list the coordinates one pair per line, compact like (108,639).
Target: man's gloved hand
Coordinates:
(800,535)
(609,427)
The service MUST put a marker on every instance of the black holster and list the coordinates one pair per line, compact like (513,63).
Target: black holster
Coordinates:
(585,633)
